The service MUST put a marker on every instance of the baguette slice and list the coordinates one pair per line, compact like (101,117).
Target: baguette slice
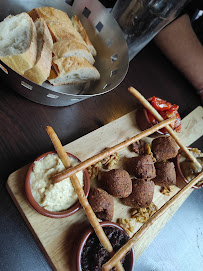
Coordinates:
(58,22)
(79,27)
(41,70)
(72,70)
(63,32)
(50,14)
(18,42)
(66,48)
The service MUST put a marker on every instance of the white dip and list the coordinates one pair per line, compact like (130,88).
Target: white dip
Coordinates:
(53,197)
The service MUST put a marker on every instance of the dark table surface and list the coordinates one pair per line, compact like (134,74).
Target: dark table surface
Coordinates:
(23,138)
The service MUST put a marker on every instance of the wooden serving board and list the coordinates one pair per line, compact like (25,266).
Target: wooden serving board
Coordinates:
(57,237)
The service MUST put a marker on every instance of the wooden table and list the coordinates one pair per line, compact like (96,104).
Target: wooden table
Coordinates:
(23,138)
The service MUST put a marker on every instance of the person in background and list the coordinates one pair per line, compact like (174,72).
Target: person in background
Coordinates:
(181,41)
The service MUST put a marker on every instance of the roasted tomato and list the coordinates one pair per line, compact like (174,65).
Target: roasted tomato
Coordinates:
(167,111)
(159,104)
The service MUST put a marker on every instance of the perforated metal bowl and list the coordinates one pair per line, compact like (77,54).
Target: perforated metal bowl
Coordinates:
(111,60)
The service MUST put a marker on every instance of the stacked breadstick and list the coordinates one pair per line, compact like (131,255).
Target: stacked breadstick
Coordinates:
(81,196)
(96,158)
(78,189)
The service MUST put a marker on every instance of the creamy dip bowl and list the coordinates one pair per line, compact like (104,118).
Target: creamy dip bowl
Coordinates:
(55,200)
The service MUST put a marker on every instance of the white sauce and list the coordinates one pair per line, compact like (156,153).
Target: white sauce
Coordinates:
(53,197)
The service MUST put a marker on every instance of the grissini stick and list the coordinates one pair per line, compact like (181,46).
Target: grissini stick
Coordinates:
(94,159)
(152,110)
(131,242)
(81,195)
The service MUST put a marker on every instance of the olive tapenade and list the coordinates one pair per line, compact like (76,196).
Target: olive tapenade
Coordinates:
(94,255)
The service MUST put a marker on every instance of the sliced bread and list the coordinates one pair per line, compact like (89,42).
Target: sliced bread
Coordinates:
(18,42)
(67,48)
(58,22)
(50,14)
(79,27)
(72,70)
(41,70)
(63,32)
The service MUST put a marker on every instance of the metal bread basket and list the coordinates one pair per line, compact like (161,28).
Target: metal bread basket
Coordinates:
(111,61)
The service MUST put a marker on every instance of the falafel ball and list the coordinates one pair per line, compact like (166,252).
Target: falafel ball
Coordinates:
(165,173)
(102,203)
(117,182)
(142,167)
(142,194)
(164,148)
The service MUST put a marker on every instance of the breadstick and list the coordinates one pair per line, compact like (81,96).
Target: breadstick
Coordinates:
(152,110)
(94,159)
(131,242)
(81,195)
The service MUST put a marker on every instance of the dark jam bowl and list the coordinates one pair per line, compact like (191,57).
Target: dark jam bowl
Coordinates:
(181,179)
(89,238)
(70,211)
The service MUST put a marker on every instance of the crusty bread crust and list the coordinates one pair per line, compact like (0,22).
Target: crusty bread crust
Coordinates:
(79,27)
(58,22)
(50,14)
(63,67)
(21,63)
(64,48)
(41,70)
(63,32)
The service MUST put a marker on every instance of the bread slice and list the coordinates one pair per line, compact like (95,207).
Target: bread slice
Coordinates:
(72,70)
(67,48)
(79,27)
(58,22)
(63,32)
(18,42)
(50,14)
(41,70)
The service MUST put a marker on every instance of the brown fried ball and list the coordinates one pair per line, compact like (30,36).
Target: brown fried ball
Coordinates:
(102,203)
(165,173)
(164,148)
(142,167)
(117,182)
(142,194)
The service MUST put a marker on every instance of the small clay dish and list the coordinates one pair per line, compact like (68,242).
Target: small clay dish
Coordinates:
(130,257)
(181,179)
(143,121)
(70,211)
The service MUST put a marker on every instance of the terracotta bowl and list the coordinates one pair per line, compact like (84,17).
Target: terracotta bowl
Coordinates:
(181,180)
(143,121)
(86,235)
(70,211)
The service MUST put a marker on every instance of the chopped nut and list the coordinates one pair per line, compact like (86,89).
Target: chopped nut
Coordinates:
(107,163)
(94,170)
(126,223)
(149,151)
(110,161)
(143,214)
(166,190)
